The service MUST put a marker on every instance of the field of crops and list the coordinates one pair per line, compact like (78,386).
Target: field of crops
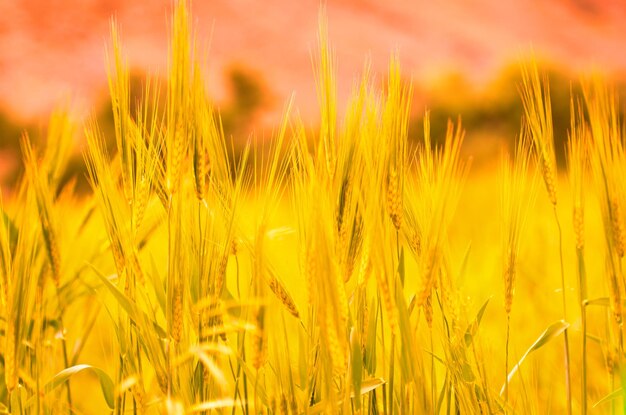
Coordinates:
(358,268)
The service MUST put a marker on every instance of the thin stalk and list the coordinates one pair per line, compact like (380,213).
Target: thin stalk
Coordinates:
(620,354)
(582,281)
(124,395)
(622,377)
(140,367)
(242,348)
(118,409)
(433,374)
(202,392)
(236,377)
(568,378)
(66,362)
(391,373)
(21,404)
(506,362)
(384,388)
(393,339)
(449,398)
(374,403)
(403,398)
(480,364)
(621,322)
(256,391)
(448,380)
(612,387)
(40,332)
(398,248)
(243,344)
(168,343)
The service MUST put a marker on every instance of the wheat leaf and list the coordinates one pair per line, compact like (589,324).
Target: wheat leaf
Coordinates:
(611,396)
(473,328)
(553,331)
(105,381)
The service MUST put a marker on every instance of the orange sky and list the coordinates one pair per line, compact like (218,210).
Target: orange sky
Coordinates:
(54,49)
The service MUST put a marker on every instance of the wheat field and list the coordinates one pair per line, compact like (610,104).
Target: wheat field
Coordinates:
(356,268)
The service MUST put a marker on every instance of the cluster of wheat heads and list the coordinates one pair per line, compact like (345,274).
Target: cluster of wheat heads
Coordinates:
(310,274)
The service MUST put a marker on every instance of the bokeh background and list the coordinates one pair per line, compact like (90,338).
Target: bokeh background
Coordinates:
(462,55)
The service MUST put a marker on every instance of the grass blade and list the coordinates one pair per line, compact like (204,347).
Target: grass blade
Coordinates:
(553,331)
(105,381)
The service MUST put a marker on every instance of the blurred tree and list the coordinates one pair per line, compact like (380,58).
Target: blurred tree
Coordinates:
(497,110)
(249,95)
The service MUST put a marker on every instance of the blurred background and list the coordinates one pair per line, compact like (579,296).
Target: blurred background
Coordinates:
(463,57)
